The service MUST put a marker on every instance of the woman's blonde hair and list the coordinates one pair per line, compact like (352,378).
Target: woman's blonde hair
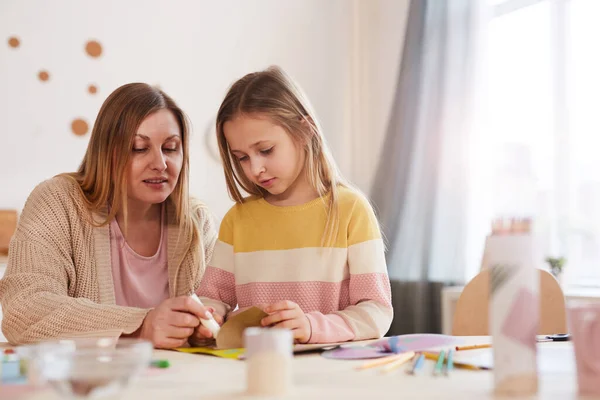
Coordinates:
(102,175)
(272,93)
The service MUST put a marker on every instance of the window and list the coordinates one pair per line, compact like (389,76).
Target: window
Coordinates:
(543,135)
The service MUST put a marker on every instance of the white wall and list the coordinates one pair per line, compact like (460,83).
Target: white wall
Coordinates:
(193,50)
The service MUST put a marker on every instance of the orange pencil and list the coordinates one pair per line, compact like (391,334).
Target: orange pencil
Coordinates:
(473,347)
(434,357)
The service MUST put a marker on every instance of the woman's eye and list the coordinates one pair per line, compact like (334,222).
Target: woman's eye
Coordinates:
(171,150)
(267,151)
(243,158)
(139,150)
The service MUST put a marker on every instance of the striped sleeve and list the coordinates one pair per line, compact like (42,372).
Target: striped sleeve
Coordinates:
(370,312)
(217,288)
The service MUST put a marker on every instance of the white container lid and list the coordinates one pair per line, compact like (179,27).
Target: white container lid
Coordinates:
(257,340)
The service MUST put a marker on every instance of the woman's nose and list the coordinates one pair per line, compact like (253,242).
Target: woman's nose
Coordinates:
(159,162)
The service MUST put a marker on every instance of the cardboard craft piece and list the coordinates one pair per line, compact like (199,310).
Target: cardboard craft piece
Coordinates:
(231,335)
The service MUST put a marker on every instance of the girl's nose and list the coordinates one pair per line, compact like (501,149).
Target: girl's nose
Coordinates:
(257,168)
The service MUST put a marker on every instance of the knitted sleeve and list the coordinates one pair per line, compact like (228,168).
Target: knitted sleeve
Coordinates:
(370,312)
(40,290)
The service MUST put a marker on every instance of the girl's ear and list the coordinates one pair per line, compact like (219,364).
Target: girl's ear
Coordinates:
(309,125)
(306,120)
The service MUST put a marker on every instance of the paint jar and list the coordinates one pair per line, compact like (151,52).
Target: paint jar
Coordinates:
(269,356)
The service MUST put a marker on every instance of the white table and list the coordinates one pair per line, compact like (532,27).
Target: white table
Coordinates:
(194,376)
(450,295)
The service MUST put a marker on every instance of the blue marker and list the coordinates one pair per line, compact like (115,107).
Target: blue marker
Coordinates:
(449,362)
(418,364)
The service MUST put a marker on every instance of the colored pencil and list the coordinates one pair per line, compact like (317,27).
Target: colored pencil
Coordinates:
(380,361)
(419,361)
(434,357)
(473,347)
(398,362)
(439,365)
(449,362)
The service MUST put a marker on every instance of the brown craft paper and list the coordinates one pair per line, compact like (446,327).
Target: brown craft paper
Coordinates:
(231,335)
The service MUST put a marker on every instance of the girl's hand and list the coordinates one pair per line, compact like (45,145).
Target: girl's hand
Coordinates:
(287,314)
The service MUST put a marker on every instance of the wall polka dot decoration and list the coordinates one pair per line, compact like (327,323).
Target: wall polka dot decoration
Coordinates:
(93,49)
(43,76)
(14,42)
(79,127)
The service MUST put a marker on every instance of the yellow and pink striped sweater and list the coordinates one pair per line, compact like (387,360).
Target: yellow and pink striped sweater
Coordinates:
(267,253)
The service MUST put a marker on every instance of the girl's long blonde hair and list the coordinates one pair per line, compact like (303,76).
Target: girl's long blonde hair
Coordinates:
(102,176)
(272,93)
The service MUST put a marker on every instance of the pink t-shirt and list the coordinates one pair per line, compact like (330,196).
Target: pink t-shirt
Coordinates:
(139,281)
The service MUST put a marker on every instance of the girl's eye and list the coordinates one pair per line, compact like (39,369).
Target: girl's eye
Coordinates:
(139,150)
(243,158)
(171,150)
(267,151)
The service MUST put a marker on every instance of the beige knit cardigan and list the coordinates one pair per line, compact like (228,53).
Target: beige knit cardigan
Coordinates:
(58,282)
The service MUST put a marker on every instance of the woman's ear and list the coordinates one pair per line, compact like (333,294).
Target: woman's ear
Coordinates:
(114,166)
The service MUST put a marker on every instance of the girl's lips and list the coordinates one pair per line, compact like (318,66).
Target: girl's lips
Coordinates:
(267,182)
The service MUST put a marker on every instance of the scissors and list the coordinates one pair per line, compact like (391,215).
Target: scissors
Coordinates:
(557,337)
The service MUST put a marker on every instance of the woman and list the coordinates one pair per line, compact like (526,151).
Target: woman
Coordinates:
(115,248)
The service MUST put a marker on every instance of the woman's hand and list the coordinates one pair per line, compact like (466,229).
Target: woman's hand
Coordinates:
(287,314)
(202,335)
(171,323)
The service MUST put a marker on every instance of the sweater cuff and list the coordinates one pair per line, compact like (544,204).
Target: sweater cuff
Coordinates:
(328,328)
(136,320)
(315,332)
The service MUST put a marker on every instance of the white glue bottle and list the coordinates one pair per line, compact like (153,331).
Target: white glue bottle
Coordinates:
(211,324)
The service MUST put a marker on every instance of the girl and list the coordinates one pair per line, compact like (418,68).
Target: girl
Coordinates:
(116,247)
(305,246)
